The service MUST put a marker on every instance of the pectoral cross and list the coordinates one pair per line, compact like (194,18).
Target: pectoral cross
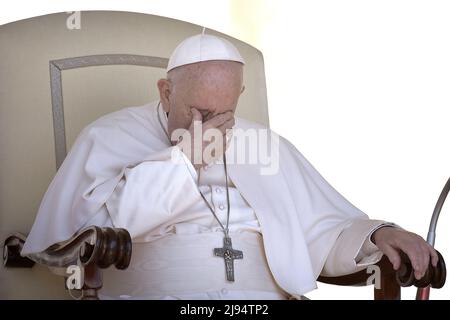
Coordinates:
(229,255)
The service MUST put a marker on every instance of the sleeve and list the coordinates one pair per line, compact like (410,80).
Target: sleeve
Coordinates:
(354,250)
(153,192)
(110,170)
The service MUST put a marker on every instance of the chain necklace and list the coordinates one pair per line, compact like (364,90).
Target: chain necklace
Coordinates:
(226,252)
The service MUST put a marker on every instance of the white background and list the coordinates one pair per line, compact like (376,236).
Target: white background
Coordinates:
(360,87)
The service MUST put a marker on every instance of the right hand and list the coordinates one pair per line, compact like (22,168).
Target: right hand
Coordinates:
(195,150)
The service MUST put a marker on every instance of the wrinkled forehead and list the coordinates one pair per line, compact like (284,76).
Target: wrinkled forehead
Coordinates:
(211,99)
(214,86)
(208,73)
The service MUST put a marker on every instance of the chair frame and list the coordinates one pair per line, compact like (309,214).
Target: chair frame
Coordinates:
(96,248)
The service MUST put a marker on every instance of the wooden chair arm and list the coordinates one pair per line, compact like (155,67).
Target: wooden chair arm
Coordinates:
(95,248)
(389,282)
(91,249)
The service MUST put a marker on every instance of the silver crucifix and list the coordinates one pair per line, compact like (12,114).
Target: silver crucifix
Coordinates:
(229,255)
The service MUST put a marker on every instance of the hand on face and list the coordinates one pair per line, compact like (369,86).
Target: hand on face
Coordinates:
(393,240)
(213,140)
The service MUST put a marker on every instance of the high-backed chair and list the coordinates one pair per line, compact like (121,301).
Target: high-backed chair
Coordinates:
(56,78)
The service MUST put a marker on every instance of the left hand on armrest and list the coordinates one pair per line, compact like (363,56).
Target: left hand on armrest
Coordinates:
(390,240)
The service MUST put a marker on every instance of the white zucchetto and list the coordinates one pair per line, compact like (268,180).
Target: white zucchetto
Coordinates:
(203,47)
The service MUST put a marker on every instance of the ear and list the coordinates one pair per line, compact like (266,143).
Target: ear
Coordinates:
(164,87)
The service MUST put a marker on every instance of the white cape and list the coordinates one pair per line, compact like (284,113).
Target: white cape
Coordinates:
(308,227)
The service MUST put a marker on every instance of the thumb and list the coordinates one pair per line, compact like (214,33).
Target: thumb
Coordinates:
(196,115)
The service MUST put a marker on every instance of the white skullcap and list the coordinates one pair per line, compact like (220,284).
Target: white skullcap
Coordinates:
(203,47)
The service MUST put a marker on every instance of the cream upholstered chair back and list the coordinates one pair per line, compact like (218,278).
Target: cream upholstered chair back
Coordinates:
(54,80)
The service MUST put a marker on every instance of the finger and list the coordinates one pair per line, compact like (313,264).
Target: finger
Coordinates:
(226,126)
(218,120)
(423,257)
(196,115)
(415,258)
(220,132)
(393,256)
(426,258)
(229,134)
(227,138)
(434,256)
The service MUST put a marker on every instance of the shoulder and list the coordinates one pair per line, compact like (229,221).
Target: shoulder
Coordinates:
(129,115)
(242,123)
(247,126)
(128,128)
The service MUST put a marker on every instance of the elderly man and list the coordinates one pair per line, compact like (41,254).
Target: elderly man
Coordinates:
(206,221)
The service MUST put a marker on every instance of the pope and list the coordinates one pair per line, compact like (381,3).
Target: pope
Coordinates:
(210,217)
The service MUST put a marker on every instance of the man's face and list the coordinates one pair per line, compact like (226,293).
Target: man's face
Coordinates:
(211,87)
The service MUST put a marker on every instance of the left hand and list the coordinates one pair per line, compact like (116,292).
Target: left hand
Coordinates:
(392,240)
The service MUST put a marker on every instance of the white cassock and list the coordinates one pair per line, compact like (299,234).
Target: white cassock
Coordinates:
(292,226)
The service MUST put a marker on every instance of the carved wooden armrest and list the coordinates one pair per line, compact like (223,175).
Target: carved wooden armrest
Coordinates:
(95,248)
(91,249)
(387,286)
